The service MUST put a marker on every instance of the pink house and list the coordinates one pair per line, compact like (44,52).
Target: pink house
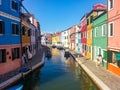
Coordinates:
(72,37)
(114,36)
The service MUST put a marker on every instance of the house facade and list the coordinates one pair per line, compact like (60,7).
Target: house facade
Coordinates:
(49,39)
(78,44)
(83,34)
(97,10)
(72,37)
(26,36)
(114,36)
(10,52)
(64,38)
(100,35)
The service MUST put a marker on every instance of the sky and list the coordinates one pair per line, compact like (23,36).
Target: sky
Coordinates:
(59,15)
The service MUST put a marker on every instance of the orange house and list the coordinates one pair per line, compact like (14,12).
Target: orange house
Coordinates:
(25,34)
(114,36)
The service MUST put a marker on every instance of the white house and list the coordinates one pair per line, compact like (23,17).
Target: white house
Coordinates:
(64,38)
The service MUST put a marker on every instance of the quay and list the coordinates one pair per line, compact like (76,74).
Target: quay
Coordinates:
(103,78)
(13,76)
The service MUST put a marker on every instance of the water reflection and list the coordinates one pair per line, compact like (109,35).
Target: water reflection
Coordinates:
(59,73)
(32,81)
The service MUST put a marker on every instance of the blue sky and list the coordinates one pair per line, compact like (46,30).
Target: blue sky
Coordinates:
(58,15)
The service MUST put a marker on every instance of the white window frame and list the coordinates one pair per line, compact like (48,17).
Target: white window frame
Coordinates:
(104,30)
(96,31)
(11,6)
(110,5)
(16,30)
(109,29)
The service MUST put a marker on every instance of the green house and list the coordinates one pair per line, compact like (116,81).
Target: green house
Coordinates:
(100,38)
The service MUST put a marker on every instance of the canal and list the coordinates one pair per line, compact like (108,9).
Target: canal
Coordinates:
(58,73)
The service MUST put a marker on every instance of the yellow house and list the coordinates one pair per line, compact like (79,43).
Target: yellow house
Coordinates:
(54,40)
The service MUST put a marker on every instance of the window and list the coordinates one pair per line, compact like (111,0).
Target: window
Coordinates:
(111,29)
(91,19)
(2,27)
(110,4)
(84,35)
(15,53)
(2,55)
(14,5)
(104,30)
(87,21)
(96,31)
(29,32)
(15,29)
(23,30)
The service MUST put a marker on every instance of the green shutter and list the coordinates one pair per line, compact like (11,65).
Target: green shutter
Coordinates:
(118,56)
(105,55)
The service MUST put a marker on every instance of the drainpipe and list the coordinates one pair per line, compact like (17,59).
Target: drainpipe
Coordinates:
(20,11)
(107,34)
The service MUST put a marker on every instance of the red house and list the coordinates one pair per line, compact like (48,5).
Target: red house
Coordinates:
(83,34)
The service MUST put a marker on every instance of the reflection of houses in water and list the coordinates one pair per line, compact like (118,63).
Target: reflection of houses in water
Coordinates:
(55,52)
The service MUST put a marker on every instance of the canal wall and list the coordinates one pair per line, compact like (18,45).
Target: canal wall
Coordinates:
(95,79)
(19,76)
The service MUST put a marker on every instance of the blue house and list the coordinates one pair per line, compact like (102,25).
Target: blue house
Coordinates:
(9,35)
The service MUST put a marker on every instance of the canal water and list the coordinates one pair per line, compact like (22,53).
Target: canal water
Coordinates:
(58,73)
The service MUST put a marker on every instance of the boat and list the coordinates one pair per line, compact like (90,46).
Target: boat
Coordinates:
(16,87)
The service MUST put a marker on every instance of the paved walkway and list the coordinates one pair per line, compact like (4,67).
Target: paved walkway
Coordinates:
(105,79)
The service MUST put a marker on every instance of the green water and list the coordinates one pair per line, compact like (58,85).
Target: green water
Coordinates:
(58,74)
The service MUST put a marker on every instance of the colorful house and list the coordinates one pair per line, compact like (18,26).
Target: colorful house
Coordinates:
(10,52)
(26,36)
(114,36)
(69,43)
(58,35)
(78,44)
(37,34)
(54,40)
(83,34)
(43,39)
(64,38)
(99,40)
(97,10)
(49,38)
(72,37)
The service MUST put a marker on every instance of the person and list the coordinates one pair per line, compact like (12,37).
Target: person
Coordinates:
(99,60)
(24,58)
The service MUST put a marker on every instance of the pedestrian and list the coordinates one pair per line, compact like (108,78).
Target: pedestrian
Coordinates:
(99,60)
(24,58)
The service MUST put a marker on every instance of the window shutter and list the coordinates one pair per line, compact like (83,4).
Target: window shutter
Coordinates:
(12,4)
(4,55)
(29,32)
(23,30)
(13,29)
(18,52)
(2,27)
(13,55)
(17,30)
(16,6)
